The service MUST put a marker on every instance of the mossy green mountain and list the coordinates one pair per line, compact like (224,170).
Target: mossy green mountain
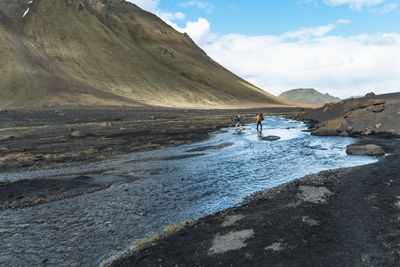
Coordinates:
(108,53)
(308,96)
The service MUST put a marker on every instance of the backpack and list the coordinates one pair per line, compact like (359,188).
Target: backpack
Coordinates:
(261,117)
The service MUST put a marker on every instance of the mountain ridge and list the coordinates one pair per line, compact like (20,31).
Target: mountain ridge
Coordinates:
(308,95)
(109,53)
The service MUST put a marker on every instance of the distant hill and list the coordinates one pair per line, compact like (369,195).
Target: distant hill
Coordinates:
(108,53)
(308,96)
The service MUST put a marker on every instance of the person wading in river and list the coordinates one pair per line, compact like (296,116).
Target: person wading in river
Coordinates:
(239,122)
(260,118)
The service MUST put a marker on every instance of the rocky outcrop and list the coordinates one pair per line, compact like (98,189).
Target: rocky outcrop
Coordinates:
(379,108)
(370,94)
(370,115)
(335,124)
(366,150)
(371,102)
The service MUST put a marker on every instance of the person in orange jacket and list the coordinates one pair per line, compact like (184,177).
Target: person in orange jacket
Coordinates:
(260,118)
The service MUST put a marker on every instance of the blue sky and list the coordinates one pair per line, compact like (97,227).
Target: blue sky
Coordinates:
(276,17)
(343,47)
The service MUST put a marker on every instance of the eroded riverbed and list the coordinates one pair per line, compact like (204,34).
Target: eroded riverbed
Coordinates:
(151,190)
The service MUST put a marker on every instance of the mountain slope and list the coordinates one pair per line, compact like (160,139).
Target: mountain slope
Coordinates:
(308,96)
(108,52)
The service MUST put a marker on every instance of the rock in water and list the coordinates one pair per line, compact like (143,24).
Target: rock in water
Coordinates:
(367,150)
(270,138)
(324,131)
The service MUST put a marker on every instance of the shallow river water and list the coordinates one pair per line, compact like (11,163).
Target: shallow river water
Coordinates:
(158,188)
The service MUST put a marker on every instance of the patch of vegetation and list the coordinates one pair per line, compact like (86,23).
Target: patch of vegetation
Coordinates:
(141,243)
(100,158)
(167,231)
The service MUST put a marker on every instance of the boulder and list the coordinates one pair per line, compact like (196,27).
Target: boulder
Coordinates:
(335,124)
(327,106)
(348,114)
(370,94)
(296,117)
(367,132)
(349,129)
(269,138)
(106,124)
(367,150)
(344,134)
(324,131)
(76,134)
(371,102)
(377,109)
(379,125)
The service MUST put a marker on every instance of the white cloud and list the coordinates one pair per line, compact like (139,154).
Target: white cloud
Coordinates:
(343,21)
(199,4)
(148,5)
(200,31)
(385,9)
(354,4)
(168,17)
(374,6)
(171,16)
(179,15)
(309,32)
(342,66)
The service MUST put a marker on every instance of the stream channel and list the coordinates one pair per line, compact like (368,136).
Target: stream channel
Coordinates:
(154,189)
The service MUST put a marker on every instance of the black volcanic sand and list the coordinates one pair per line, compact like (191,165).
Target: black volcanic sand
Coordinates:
(26,193)
(344,217)
(42,139)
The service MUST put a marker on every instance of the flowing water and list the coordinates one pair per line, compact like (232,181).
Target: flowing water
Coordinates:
(158,188)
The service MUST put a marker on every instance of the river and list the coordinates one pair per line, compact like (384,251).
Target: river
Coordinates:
(158,188)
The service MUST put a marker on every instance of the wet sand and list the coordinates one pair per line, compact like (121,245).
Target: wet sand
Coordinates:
(44,139)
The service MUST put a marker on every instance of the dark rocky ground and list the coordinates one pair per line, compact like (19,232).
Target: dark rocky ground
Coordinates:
(26,193)
(344,217)
(377,115)
(40,139)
